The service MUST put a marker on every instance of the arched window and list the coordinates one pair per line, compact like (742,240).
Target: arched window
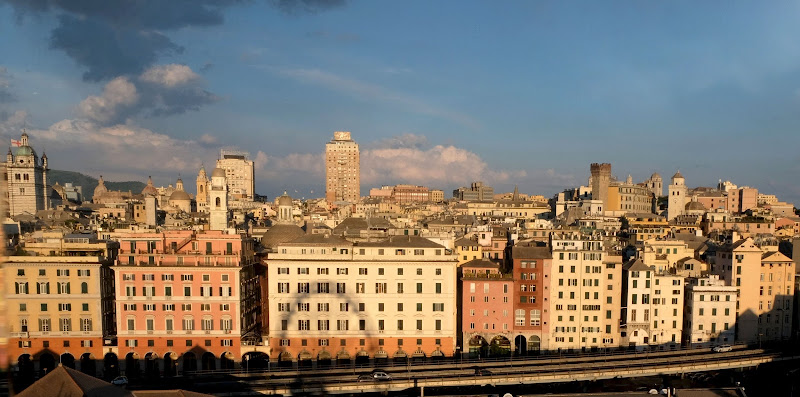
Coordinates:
(201,188)
(84,288)
(218,202)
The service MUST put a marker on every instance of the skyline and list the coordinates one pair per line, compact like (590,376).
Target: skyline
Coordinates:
(527,94)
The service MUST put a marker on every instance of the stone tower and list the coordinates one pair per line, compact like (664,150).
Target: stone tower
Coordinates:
(26,178)
(656,185)
(218,200)
(285,209)
(676,204)
(202,190)
(601,178)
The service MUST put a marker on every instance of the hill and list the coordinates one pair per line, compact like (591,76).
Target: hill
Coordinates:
(88,183)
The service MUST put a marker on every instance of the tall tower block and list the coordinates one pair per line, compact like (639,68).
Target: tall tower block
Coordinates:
(342,169)
(601,178)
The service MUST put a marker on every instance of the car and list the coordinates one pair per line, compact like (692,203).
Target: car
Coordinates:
(120,381)
(374,376)
(482,372)
(722,348)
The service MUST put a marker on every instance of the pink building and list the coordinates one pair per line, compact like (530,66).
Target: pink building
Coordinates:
(185,301)
(487,306)
(743,199)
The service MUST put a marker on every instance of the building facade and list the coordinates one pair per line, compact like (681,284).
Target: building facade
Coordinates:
(239,174)
(26,180)
(342,169)
(331,299)
(709,313)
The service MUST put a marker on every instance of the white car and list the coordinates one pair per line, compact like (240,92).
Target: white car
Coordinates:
(120,381)
(722,348)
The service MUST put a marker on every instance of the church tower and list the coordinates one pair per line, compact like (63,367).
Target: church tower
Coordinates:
(676,205)
(26,177)
(202,190)
(218,200)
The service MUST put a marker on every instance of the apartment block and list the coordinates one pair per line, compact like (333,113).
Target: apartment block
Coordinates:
(709,312)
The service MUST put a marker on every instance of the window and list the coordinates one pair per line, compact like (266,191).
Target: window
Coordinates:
(438,307)
(439,288)
(323,288)
(207,324)
(323,307)
(188,324)
(323,325)
(342,325)
(399,306)
(419,307)
(399,288)
(362,271)
(419,288)
(360,288)
(283,288)
(343,307)
(341,288)
(304,325)
(380,288)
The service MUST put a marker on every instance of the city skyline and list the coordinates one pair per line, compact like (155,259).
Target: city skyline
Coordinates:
(527,94)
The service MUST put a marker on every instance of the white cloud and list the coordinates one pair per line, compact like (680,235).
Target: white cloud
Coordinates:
(171,75)
(118,95)
(13,123)
(208,139)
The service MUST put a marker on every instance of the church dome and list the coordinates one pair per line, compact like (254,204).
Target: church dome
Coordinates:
(281,233)
(695,206)
(655,175)
(150,189)
(285,200)
(218,172)
(179,195)
(25,151)
(101,187)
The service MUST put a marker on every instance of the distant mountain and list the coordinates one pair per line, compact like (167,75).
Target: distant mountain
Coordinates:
(88,183)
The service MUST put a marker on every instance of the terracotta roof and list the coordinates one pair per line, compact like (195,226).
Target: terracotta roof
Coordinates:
(522,252)
(635,265)
(481,263)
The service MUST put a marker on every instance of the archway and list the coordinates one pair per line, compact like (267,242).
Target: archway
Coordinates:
(418,357)
(304,359)
(110,366)
(534,344)
(132,368)
(362,358)
(500,346)
(170,364)
(226,361)
(323,359)
(255,360)
(343,358)
(285,360)
(68,360)
(520,345)
(151,367)
(26,372)
(189,362)
(88,364)
(400,357)
(437,355)
(47,363)
(478,347)
(208,362)
(381,357)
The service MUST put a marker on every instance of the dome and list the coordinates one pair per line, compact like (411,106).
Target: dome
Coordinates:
(25,151)
(218,172)
(179,195)
(285,200)
(101,187)
(655,175)
(150,189)
(695,206)
(281,233)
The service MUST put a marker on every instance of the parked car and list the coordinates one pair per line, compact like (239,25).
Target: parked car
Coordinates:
(120,381)
(482,372)
(722,348)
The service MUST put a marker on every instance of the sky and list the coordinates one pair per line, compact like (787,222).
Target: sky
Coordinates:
(439,94)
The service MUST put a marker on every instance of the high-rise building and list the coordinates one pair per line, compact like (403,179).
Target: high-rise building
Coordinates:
(239,173)
(26,177)
(342,169)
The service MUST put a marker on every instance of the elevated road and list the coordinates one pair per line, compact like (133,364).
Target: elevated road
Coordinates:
(529,371)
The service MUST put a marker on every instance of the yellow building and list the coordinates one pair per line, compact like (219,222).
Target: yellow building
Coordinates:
(59,297)
(467,250)
(646,226)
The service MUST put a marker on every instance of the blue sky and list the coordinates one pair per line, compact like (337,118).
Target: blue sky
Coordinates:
(437,93)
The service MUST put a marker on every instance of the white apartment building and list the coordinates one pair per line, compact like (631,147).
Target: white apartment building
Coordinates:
(331,299)
(584,303)
(710,312)
(342,169)
(239,174)
(652,306)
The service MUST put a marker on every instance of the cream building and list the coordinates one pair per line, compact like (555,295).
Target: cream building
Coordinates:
(709,312)
(676,202)
(584,301)
(342,169)
(26,180)
(60,300)
(765,285)
(331,299)
(239,174)
(652,306)
(664,254)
